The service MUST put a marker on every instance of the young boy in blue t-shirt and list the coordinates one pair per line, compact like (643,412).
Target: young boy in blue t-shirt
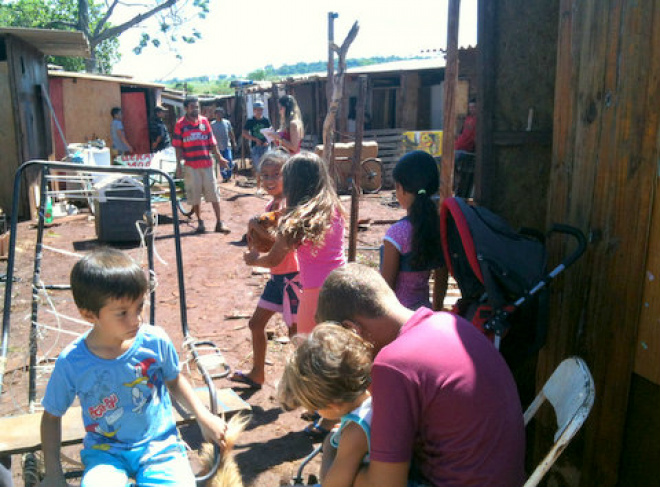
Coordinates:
(123,374)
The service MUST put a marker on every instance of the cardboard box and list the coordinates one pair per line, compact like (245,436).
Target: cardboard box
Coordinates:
(345,149)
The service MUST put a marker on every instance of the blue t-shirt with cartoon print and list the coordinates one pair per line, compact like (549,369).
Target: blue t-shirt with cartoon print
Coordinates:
(125,402)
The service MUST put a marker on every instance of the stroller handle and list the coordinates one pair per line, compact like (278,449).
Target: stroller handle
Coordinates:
(497,323)
(579,237)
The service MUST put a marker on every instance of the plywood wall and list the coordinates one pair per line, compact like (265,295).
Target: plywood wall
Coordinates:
(8,159)
(603,180)
(87,105)
(517,53)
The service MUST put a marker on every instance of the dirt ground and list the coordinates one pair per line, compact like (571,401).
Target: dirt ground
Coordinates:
(221,294)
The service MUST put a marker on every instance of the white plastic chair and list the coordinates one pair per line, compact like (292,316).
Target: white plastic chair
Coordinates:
(570,390)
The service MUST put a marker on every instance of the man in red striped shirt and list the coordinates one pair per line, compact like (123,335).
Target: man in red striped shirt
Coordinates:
(193,140)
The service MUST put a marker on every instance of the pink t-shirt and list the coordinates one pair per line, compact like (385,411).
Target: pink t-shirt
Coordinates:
(317,262)
(290,262)
(444,399)
(411,287)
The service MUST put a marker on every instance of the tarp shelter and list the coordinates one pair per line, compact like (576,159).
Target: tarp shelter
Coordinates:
(25,130)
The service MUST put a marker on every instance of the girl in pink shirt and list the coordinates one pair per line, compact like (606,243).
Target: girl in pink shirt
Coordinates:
(411,249)
(313,224)
(282,291)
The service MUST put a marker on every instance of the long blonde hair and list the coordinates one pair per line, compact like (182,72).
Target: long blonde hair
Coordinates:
(311,198)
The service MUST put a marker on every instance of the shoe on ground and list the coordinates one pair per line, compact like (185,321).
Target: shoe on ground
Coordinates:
(221,228)
(200,227)
(260,192)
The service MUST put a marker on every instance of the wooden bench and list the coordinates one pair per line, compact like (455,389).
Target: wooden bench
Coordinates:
(22,433)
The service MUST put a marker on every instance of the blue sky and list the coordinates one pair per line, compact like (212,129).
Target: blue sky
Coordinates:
(239,37)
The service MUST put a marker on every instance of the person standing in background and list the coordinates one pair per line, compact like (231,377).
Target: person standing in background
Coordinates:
(292,130)
(119,141)
(464,148)
(224,136)
(252,132)
(194,141)
(160,137)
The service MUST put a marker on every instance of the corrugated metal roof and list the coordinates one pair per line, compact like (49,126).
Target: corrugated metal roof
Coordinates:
(52,42)
(124,80)
(394,66)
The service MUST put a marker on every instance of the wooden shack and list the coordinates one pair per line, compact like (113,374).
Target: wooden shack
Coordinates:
(568,131)
(403,96)
(25,130)
(82,104)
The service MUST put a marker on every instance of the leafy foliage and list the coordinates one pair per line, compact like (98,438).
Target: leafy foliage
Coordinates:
(93,18)
(59,14)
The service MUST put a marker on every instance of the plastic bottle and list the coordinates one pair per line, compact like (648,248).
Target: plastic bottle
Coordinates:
(49,211)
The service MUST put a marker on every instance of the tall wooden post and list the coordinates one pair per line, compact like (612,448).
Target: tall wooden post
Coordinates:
(451,80)
(329,146)
(331,53)
(356,169)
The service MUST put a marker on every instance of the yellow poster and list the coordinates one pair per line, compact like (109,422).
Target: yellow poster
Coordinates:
(427,140)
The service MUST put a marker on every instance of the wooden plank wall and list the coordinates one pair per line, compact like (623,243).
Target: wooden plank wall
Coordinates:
(603,177)
(390,149)
(87,104)
(515,100)
(31,118)
(8,156)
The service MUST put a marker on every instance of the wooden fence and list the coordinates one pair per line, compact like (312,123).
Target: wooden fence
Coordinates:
(390,149)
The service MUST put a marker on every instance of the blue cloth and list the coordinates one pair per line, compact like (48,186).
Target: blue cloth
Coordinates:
(125,402)
(226,173)
(170,467)
(256,154)
(361,416)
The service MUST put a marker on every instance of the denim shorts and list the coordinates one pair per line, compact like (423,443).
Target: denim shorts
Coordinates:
(281,295)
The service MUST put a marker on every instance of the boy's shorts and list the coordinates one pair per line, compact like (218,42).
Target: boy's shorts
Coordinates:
(200,182)
(168,467)
(256,153)
(282,295)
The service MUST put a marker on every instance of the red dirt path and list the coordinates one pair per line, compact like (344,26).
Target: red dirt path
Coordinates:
(221,293)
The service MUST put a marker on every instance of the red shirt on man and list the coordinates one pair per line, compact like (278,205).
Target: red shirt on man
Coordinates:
(195,138)
(466,140)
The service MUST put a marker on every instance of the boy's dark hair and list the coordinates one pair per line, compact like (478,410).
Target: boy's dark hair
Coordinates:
(106,274)
(189,100)
(417,173)
(114,111)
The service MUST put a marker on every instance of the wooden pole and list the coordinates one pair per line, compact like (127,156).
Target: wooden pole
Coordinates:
(245,145)
(451,80)
(331,52)
(337,90)
(356,169)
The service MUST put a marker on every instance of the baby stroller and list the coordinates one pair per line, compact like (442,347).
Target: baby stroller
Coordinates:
(501,274)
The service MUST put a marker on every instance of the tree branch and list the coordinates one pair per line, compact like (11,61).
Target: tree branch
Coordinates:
(101,23)
(337,93)
(115,31)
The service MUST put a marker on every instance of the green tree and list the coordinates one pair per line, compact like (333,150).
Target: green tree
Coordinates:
(94,19)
